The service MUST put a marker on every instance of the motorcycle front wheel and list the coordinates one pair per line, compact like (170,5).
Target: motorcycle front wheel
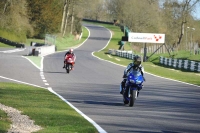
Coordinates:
(133,95)
(67,68)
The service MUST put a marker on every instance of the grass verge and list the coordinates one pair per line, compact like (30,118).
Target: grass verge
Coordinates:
(63,43)
(35,59)
(5,46)
(46,109)
(4,122)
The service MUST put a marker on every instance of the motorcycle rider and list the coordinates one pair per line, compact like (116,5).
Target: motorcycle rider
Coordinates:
(70,52)
(136,64)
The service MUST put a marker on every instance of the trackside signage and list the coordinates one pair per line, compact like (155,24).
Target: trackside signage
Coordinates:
(146,37)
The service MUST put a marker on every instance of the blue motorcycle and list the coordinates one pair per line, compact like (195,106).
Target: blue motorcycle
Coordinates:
(133,85)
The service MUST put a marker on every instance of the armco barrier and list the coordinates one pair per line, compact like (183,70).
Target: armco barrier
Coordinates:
(181,64)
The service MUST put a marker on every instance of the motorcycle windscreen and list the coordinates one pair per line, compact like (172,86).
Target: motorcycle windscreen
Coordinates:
(136,76)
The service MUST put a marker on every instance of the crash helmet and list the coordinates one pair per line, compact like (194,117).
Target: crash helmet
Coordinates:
(137,61)
(71,50)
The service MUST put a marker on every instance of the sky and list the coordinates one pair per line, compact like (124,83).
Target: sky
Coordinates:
(197,12)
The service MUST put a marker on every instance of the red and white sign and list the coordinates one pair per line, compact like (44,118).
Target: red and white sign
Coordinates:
(146,37)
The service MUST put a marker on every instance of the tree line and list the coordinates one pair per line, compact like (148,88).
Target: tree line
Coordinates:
(34,18)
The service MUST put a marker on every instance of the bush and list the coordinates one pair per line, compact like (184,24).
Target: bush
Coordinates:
(12,36)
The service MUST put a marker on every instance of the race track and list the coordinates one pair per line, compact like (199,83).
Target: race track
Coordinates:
(163,106)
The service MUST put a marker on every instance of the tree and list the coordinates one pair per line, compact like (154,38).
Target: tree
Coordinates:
(176,15)
(66,18)
(72,20)
(115,9)
(71,16)
(45,16)
(7,3)
(14,17)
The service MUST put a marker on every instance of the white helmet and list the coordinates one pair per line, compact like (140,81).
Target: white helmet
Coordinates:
(71,50)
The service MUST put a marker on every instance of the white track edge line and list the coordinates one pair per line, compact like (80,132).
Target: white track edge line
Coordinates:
(81,113)
(22,82)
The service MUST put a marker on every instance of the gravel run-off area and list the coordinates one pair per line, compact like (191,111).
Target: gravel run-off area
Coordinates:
(20,123)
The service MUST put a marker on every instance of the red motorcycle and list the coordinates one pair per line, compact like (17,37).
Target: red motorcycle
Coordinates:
(69,62)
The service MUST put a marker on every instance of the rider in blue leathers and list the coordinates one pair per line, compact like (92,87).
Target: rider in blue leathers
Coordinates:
(136,64)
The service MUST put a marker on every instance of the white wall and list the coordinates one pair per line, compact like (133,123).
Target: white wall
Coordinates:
(45,50)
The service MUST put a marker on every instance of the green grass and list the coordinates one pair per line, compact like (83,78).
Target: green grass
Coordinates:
(4,122)
(184,55)
(5,46)
(35,59)
(28,41)
(177,74)
(63,43)
(46,109)
(12,35)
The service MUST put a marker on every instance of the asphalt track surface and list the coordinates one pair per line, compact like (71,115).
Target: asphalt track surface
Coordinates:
(163,106)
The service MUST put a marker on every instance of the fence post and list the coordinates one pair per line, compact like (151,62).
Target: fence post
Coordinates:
(124,54)
(170,61)
(180,64)
(198,67)
(133,56)
(175,63)
(185,66)
(165,61)
(130,55)
(192,65)
(161,59)
(117,52)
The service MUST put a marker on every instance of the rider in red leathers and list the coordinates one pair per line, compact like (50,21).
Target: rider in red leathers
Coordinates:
(67,53)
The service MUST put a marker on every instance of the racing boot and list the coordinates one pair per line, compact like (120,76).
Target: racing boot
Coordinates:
(64,65)
(122,86)
(138,92)
(72,68)
(121,89)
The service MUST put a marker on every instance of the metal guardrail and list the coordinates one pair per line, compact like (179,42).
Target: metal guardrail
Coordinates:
(181,64)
